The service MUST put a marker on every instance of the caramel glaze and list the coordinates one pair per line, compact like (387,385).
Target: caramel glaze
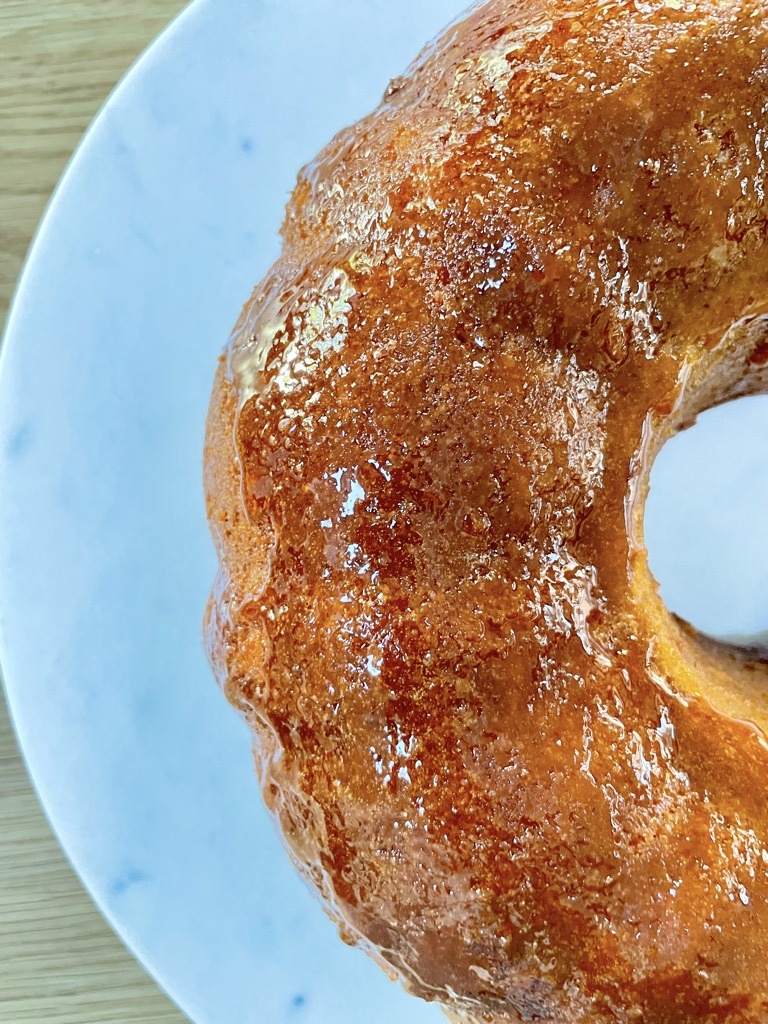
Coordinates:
(513,776)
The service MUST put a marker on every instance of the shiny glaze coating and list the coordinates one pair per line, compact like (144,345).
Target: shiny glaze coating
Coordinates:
(513,776)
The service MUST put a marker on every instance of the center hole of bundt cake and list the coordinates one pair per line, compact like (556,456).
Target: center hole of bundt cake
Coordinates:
(706,522)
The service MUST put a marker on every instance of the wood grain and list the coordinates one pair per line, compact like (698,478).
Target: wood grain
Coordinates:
(59,961)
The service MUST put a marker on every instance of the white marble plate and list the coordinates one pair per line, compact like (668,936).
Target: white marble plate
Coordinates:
(166,217)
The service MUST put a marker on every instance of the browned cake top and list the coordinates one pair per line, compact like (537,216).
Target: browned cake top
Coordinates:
(506,767)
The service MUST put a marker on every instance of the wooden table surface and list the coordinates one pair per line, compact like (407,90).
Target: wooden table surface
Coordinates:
(59,961)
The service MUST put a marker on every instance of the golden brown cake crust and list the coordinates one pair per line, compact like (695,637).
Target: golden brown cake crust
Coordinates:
(513,776)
